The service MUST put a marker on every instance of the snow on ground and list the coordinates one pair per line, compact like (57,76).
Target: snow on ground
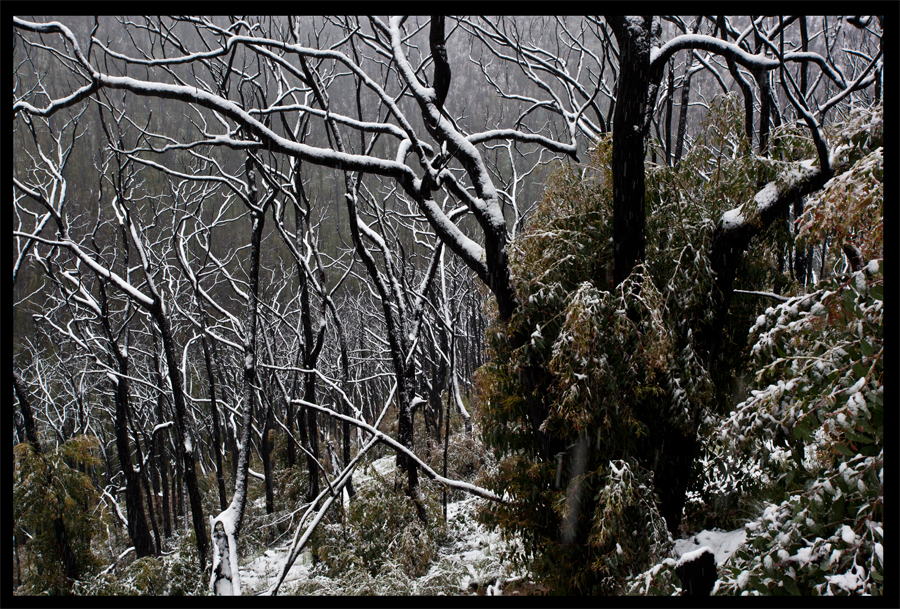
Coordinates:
(261,572)
(477,549)
(474,552)
(722,543)
(384,466)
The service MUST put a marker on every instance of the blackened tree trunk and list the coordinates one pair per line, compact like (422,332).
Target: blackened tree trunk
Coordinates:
(214,413)
(177,477)
(629,217)
(134,507)
(670,95)
(159,443)
(671,451)
(802,254)
(746,91)
(289,424)
(68,557)
(163,464)
(184,437)
(226,527)
(145,475)
(309,434)
(266,453)
(685,98)
(155,464)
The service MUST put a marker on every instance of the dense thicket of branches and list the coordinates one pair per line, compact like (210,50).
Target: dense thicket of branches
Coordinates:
(231,234)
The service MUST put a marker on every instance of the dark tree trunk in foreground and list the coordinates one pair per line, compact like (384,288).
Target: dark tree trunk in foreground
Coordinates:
(182,432)
(134,506)
(214,412)
(266,446)
(629,216)
(670,450)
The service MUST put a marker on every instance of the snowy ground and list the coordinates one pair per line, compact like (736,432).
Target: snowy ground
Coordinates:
(472,557)
(722,543)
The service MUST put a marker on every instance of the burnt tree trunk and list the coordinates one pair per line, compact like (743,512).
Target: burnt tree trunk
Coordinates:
(163,464)
(134,507)
(629,216)
(309,431)
(214,412)
(685,98)
(183,438)
(266,453)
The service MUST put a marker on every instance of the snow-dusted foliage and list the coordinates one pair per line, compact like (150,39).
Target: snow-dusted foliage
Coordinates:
(586,380)
(49,487)
(815,427)
(176,573)
(851,206)
(808,445)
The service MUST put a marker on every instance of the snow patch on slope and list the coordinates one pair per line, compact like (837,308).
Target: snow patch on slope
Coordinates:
(722,543)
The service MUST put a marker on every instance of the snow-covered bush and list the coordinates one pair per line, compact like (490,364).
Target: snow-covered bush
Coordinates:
(816,427)
(47,487)
(176,573)
(382,526)
(850,209)
(812,438)
(587,379)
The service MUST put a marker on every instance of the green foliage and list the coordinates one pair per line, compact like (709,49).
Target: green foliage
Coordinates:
(383,527)
(686,202)
(716,174)
(804,453)
(174,574)
(602,371)
(851,206)
(46,487)
(815,428)
(807,448)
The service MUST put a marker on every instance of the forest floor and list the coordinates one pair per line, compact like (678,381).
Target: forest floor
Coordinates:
(471,561)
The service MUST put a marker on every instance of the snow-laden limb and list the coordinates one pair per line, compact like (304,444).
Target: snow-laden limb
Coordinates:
(722,543)
(335,490)
(225,579)
(118,509)
(463,486)
(298,544)
(195,95)
(660,55)
(803,178)
(96,267)
(518,136)
(777,297)
(863,135)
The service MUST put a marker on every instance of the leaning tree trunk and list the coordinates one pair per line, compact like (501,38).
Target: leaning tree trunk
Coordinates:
(184,438)
(214,413)
(134,506)
(675,449)
(309,431)
(266,453)
(226,527)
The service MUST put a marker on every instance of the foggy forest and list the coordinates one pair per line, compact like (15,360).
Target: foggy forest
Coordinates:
(448,305)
